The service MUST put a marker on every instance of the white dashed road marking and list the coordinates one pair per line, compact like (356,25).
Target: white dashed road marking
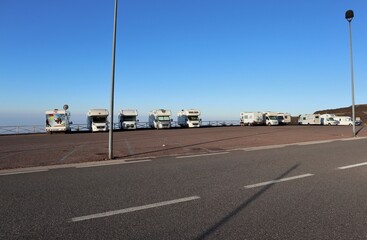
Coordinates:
(278,180)
(102,164)
(133,209)
(203,155)
(352,166)
(23,172)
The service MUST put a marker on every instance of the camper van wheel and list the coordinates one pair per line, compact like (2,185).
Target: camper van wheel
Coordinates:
(249,124)
(350,124)
(269,124)
(329,124)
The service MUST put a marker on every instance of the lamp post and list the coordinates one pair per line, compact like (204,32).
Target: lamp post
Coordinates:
(349,15)
(110,138)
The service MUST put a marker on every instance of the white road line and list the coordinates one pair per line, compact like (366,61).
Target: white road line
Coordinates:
(129,148)
(352,166)
(264,147)
(315,142)
(101,164)
(278,180)
(133,209)
(202,155)
(22,172)
(67,155)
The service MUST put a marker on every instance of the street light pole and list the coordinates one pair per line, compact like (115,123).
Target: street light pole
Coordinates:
(110,139)
(349,15)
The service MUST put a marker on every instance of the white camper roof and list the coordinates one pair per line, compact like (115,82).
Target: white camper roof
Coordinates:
(55,111)
(161,112)
(189,112)
(248,113)
(271,113)
(129,112)
(97,112)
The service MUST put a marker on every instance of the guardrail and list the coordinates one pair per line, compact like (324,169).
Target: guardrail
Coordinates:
(29,129)
(22,129)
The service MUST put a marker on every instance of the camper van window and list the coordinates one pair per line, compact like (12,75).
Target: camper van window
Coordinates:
(129,118)
(98,119)
(193,118)
(163,118)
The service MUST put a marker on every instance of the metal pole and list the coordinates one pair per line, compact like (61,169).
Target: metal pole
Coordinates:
(352,77)
(110,140)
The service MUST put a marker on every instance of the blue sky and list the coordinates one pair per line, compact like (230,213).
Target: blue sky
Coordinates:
(220,56)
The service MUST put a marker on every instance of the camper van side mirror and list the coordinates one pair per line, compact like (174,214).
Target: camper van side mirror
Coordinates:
(71,122)
(171,120)
(137,120)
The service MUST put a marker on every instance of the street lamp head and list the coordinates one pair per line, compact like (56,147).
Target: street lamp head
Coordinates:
(349,15)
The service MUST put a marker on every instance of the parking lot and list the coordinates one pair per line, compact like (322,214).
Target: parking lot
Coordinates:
(19,151)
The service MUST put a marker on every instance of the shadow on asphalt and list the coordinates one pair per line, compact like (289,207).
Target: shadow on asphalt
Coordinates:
(359,130)
(195,145)
(244,205)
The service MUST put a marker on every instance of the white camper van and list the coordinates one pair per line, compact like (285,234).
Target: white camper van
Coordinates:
(344,120)
(97,120)
(284,118)
(58,121)
(189,118)
(127,119)
(252,118)
(307,119)
(271,118)
(160,118)
(328,119)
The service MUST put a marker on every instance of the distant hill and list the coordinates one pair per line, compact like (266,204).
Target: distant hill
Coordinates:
(361,111)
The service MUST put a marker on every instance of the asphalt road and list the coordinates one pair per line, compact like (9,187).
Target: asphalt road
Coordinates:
(301,191)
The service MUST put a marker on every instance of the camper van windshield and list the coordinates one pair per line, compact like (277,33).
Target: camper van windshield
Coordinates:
(99,119)
(163,118)
(129,118)
(193,118)
(273,117)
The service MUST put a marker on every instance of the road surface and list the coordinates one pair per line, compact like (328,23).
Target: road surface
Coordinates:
(314,190)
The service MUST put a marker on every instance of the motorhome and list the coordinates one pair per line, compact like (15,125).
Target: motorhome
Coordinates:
(328,119)
(128,119)
(344,120)
(307,119)
(97,120)
(160,118)
(284,118)
(271,118)
(189,118)
(58,121)
(252,118)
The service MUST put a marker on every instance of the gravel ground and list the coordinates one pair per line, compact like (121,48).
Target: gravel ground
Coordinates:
(19,151)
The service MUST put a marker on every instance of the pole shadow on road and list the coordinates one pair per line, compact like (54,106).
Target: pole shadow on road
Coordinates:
(244,205)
